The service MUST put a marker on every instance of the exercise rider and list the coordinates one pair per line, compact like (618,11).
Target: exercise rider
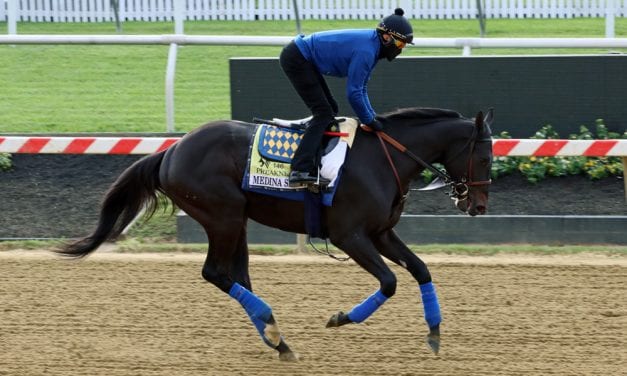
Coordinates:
(349,53)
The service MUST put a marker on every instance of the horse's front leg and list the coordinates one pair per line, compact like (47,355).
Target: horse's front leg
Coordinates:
(361,249)
(393,248)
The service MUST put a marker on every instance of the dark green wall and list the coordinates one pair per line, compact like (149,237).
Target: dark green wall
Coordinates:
(526,92)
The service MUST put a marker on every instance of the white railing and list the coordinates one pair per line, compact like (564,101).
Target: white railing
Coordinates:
(161,10)
(241,40)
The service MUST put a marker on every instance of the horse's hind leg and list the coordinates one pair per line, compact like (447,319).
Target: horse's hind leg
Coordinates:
(259,311)
(226,266)
(393,248)
(361,249)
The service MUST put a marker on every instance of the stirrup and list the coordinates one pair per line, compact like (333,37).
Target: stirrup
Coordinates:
(300,178)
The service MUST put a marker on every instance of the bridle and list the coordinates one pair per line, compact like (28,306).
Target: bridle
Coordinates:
(460,188)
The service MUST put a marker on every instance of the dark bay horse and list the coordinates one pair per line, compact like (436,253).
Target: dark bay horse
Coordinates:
(202,174)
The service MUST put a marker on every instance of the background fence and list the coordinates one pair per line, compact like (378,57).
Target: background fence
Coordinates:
(161,10)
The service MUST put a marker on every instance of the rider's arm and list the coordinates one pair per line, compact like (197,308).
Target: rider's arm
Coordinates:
(356,88)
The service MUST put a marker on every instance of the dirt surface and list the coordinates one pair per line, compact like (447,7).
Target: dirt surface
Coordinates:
(59,195)
(115,314)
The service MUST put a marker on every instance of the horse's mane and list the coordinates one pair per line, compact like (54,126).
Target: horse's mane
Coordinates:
(421,113)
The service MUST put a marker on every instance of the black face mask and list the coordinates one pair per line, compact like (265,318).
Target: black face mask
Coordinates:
(388,50)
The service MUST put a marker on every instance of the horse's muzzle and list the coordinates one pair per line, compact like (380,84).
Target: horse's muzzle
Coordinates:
(477,210)
(472,204)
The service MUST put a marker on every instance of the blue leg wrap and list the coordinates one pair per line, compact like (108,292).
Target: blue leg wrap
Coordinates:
(366,308)
(258,310)
(431,305)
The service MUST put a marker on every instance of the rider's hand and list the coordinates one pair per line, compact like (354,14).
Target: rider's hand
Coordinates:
(375,125)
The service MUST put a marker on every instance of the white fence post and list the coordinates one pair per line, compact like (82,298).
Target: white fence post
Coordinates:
(178,5)
(12,17)
(169,87)
(301,247)
(610,11)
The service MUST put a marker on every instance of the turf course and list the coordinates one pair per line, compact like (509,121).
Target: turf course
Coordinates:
(58,88)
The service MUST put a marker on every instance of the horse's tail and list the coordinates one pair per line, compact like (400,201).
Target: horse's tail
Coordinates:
(134,189)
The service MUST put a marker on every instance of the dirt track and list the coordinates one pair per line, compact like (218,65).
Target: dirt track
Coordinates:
(118,314)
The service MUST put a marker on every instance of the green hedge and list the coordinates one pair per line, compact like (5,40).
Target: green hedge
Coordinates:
(538,168)
(5,161)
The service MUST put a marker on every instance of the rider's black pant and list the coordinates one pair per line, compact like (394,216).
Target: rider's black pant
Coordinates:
(314,91)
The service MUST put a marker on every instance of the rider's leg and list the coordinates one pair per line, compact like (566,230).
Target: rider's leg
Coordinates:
(327,93)
(311,87)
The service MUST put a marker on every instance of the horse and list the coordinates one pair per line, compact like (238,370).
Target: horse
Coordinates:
(202,174)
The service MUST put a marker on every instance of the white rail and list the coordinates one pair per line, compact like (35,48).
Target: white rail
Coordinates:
(239,40)
(180,39)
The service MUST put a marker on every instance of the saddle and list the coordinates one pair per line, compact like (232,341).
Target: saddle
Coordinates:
(300,124)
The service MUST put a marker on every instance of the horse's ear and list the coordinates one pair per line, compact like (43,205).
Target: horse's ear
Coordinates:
(489,117)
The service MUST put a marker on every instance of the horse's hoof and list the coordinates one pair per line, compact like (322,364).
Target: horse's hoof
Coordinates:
(285,353)
(288,356)
(272,334)
(433,340)
(338,319)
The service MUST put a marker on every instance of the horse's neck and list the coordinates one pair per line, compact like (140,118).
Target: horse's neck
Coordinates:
(429,140)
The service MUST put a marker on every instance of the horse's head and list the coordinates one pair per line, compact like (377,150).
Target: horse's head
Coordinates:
(470,168)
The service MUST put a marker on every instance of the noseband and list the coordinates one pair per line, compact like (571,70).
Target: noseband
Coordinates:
(460,188)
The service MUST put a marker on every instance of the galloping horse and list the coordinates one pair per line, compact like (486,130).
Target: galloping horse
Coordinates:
(202,174)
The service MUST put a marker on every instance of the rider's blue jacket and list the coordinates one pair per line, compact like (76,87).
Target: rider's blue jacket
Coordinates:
(345,53)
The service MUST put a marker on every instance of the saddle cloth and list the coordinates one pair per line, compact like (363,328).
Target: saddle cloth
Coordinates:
(271,152)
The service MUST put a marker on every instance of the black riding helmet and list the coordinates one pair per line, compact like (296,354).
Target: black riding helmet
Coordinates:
(397,26)
(399,29)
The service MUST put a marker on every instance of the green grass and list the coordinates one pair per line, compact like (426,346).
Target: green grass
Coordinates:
(60,88)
